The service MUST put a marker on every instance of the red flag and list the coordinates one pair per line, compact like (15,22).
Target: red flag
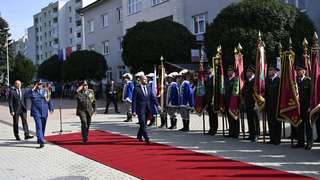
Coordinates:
(6,42)
(237,88)
(69,51)
(222,107)
(315,86)
(200,94)
(259,81)
(289,103)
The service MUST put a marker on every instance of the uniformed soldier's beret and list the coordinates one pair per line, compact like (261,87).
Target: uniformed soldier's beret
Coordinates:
(173,74)
(127,75)
(251,68)
(183,72)
(38,81)
(141,73)
(300,67)
(84,83)
(231,68)
(210,66)
(273,67)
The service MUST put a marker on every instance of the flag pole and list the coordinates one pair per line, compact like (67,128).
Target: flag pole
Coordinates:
(8,59)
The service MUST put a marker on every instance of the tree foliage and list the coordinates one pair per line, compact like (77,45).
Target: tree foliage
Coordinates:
(144,44)
(241,23)
(84,65)
(50,69)
(23,70)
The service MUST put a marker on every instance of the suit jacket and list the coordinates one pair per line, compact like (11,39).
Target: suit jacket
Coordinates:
(228,89)
(15,104)
(108,90)
(140,102)
(304,93)
(272,91)
(40,102)
(85,103)
(249,100)
(209,89)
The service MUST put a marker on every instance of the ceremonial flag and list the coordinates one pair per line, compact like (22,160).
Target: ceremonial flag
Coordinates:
(237,88)
(154,110)
(161,89)
(259,81)
(200,96)
(222,107)
(315,86)
(216,83)
(69,51)
(60,55)
(6,42)
(289,103)
(281,82)
(65,53)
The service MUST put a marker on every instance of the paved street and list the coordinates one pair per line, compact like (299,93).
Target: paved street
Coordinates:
(25,160)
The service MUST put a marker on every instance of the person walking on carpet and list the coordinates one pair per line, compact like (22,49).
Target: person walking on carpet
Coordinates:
(142,94)
(86,104)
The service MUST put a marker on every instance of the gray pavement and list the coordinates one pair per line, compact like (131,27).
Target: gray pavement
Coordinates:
(25,160)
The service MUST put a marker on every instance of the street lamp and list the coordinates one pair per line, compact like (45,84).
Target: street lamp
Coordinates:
(199,43)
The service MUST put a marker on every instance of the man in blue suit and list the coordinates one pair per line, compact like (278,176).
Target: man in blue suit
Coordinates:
(40,103)
(142,94)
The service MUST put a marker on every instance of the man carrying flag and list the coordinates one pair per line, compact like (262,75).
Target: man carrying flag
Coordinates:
(162,95)
(213,117)
(233,124)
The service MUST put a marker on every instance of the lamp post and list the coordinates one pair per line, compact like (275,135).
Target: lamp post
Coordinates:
(199,43)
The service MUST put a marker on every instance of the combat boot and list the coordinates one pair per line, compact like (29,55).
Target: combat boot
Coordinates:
(187,125)
(184,125)
(163,122)
(173,123)
(152,121)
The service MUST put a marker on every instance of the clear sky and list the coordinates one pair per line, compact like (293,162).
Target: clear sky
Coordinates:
(19,14)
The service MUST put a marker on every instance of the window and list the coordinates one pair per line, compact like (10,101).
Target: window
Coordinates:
(119,14)
(121,72)
(70,40)
(45,25)
(70,19)
(301,4)
(106,47)
(40,47)
(120,39)
(45,15)
(70,30)
(45,35)
(154,2)
(134,6)
(50,13)
(39,19)
(79,35)
(91,26)
(105,20)
(55,30)
(70,9)
(50,33)
(51,53)
(109,74)
(50,23)
(200,23)
(78,47)
(51,43)
(40,29)
(45,44)
(46,54)
(91,48)
(40,38)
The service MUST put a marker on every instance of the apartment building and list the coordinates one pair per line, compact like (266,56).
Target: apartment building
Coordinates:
(20,46)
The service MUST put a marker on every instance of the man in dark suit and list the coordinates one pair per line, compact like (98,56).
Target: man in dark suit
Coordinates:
(18,107)
(142,94)
(272,91)
(233,124)
(213,117)
(251,110)
(111,97)
(304,94)
(86,106)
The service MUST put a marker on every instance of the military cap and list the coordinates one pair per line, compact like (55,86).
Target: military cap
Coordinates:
(251,68)
(173,74)
(38,81)
(183,72)
(141,73)
(210,66)
(127,75)
(273,67)
(150,75)
(84,83)
(231,68)
(300,67)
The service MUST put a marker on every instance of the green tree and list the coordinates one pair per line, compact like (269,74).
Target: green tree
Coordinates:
(84,65)
(23,70)
(241,23)
(50,69)
(144,44)
(4,31)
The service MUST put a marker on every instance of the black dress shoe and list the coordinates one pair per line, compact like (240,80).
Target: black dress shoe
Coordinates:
(28,137)
(148,142)
(137,123)
(298,146)
(228,136)
(270,142)
(128,120)
(41,144)
(249,139)
(18,139)
(84,142)
(140,139)
(38,141)
(117,112)
(308,147)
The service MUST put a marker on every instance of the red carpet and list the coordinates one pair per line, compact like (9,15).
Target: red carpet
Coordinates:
(160,161)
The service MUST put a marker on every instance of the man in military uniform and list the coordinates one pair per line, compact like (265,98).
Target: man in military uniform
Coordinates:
(127,95)
(153,111)
(86,104)
(40,104)
(213,117)
(251,109)
(233,124)
(186,99)
(304,94)
(172,99)
(272,91)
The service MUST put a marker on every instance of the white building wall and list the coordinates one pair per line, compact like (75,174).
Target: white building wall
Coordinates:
(31,45)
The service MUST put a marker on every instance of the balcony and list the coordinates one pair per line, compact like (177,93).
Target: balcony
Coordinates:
(78,40)
(54,15)
(56,46)
(39,52)
(39,43)
(78,28)
(77,5)
(55,35)
(39,34)
(55,25)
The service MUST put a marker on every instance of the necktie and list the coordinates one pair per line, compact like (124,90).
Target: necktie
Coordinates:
(19,91)
(145,91)
(299,80)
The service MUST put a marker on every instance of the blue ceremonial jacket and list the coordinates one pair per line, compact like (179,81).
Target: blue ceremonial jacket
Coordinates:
(127,91)
(140,102)
(186,96)
(173,95)
(39,104)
